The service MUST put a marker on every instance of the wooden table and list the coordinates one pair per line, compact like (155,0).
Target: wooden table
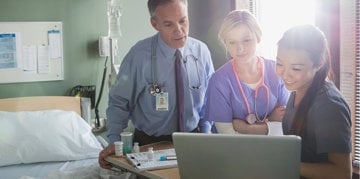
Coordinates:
(122,163)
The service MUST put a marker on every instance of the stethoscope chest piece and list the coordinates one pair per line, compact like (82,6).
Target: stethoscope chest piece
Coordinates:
(155,89)
(251,118)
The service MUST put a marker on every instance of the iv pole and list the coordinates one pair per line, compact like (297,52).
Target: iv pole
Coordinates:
(112,76)
(113,14)
(113,50)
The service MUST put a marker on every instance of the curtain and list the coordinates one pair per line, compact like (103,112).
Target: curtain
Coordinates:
(350,65)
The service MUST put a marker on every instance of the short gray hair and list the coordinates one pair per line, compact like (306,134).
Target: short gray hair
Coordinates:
(153,4)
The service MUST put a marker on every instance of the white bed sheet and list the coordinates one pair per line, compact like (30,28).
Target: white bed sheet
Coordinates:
(41,170)
(67,132)
(80,169)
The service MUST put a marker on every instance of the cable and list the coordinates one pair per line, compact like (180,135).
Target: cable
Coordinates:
(97,117)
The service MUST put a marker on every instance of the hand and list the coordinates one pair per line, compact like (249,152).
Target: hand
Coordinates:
(240,126)
(277,114)
(243,127)
(107,151)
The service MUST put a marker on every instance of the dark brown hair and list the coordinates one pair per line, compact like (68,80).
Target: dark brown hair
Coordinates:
(312,40)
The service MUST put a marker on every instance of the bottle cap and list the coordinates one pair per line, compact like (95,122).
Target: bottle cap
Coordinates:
(162,158)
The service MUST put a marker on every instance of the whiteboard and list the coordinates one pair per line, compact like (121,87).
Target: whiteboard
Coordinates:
(31,51)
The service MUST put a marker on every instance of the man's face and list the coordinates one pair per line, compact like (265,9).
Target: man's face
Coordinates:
(172,22)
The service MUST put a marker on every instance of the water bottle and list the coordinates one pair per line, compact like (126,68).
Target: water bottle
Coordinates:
(114,14)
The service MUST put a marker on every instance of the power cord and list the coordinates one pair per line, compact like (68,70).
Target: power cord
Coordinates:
(98,127)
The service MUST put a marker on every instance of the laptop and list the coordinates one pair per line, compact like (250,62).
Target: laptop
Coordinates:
(228,156)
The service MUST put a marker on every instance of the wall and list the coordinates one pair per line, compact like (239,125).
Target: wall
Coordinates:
(83,22)
(205,18)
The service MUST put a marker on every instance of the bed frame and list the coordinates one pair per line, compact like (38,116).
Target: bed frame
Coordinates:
(35,103)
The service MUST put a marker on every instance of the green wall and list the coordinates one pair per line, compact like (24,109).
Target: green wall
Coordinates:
(83,22)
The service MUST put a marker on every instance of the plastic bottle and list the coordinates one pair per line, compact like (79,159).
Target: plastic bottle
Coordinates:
(150,154)
(114,15)
(136,148)
(118,148)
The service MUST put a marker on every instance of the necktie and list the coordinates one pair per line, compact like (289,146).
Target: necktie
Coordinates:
(179,91)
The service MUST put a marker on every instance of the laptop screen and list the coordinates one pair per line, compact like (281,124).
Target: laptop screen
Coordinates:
(237,156)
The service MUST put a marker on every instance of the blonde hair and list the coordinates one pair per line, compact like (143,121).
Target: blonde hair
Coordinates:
(236,18)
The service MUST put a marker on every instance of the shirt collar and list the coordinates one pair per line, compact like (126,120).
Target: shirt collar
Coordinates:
(165,49)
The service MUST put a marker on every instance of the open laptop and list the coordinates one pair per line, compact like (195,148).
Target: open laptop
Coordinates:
(228,156)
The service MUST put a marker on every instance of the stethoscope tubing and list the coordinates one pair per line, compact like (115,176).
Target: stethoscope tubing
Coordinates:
(197,71)
(156,88)
(262,84)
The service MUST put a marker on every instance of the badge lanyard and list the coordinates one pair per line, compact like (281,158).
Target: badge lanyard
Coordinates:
(253,117)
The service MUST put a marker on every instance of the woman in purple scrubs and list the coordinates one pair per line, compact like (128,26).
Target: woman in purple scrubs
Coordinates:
(245,93)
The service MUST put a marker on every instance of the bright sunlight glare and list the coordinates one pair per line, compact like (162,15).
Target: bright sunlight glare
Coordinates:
(276,16)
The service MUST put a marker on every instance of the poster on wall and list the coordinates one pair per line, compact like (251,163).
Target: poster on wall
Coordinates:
(9,50)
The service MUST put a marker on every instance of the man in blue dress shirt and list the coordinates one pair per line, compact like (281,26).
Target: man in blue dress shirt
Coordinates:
(145,89)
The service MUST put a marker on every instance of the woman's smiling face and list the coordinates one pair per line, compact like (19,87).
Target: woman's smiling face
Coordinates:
(295,68)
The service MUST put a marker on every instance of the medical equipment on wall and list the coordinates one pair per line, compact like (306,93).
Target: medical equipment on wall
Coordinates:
(251,118)
(114,33)
(87,99)
(114,15)
(156,88)
(88,91)
(108,48)
(108,45)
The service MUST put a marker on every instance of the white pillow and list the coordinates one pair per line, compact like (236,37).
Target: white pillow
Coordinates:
(42,136)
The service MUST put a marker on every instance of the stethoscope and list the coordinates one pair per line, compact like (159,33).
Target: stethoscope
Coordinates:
(251,118)
(194,59)
(155,87)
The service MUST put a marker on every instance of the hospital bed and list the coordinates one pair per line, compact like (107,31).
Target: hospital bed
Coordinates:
(45,137)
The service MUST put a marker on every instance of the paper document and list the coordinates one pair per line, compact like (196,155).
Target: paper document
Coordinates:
(43,59)
(55,43)
(30,58)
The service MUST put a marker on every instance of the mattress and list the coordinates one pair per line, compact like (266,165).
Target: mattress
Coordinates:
(42,170)
(79,169)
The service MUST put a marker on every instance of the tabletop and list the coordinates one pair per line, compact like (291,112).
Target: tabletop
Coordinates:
(122,163)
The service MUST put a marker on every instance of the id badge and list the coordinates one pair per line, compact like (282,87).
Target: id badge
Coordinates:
(162,101)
